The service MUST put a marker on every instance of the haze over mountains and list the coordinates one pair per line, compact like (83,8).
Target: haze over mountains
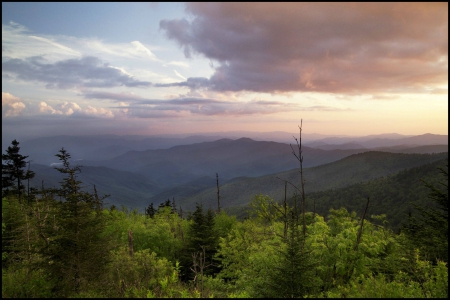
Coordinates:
(137,170)
(350,170)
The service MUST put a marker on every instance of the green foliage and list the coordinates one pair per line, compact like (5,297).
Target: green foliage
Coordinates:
(20,282)
(390,195)
(248,254)
(200,248)
(294,276)
(433,284)
(354,169)
(70,247)
(74,254)
(265,209)
(429,231)
(134,276)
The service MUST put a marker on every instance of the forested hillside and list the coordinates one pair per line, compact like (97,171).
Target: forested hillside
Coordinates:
(353,169)
(393,195)
(230,158)
(62,242)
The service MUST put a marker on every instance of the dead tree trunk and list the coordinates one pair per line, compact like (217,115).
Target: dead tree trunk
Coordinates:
(302,180)
(130,242)
(218,194)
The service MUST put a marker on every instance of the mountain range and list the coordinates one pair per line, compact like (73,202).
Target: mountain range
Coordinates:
(350,170)
(187,172)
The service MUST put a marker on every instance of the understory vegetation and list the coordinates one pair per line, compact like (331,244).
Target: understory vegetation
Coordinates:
(62,242)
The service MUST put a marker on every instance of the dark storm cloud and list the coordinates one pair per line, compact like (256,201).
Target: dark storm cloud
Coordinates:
(323,47)
(84,72)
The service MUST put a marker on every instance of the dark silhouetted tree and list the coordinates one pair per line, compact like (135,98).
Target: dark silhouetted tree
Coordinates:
(13,173)
(150,211)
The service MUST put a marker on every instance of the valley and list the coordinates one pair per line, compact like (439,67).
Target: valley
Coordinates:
(140,174)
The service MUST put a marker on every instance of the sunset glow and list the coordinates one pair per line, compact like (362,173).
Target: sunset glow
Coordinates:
(168,68)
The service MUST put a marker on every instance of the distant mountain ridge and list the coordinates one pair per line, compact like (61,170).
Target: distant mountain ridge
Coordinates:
(188,166)
(382,141)
(229,158)
(353,169)
(126,188)
(101,147)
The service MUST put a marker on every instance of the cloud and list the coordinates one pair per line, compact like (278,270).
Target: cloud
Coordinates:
(46,109)
(179,64)
(11,106)
(322,47)
(98,112)
(62,47)
(87,71)
(14,107)
(135,106)
(142,48)
(179,75)
(17,42)
(192,83)
(64,108)
(120,97)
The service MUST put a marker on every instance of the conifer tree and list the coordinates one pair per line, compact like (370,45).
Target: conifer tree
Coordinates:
(77,253)
(294,276)
(150,211)
(201,240)
(13,173)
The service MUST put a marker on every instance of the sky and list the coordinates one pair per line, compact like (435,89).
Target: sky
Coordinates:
(170,68)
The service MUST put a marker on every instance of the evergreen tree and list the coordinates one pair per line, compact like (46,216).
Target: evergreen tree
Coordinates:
(150,211)
(202,241)
(77,252)
(13,173)
(165,204)
(429,231)
(294,276)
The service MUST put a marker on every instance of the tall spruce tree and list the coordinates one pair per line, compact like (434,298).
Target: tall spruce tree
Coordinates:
(294,276)
(13,173)
(202,240)
(77,252)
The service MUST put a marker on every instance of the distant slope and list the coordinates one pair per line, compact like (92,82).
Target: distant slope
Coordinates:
(229,158)
(188,189)
(418,149)
(353,169)
(125,188)
(98,147)
(384,140)
(391,195)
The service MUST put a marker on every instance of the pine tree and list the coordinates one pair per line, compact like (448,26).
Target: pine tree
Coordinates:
(294,276)
(150,211)
(13,173)
(77,252)
(202,240)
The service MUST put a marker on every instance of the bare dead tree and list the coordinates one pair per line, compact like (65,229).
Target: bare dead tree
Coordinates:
(28,179)
(130,242)
(198,267)
(218,194)
(299,157)
(285,210)
(358,238)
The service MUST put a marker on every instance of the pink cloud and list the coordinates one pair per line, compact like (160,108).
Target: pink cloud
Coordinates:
(11,106)
(323,47)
